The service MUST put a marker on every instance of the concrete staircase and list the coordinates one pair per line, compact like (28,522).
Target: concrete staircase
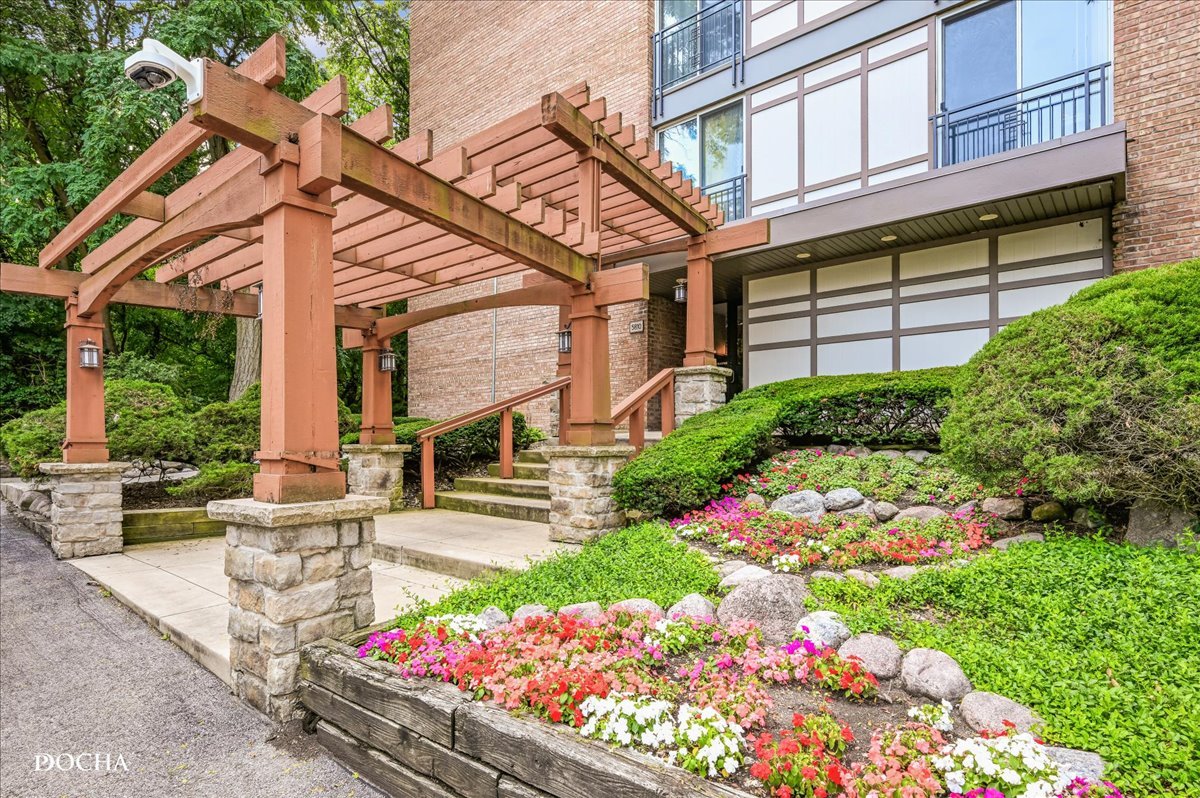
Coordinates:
(526,497)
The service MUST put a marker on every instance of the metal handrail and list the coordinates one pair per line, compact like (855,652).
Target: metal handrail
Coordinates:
(633,407)
(735,189)
(692,28)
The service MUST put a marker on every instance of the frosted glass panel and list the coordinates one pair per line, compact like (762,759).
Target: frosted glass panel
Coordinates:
(815,9)
(897,45)
(781,287)
(773,332)
(774,310)
(832,191)
(776,23)
(777,205)
(940,349)
(773,365)
(978,281)
(896,174)
(944,311)
(778,90)
(853,322)
(1062,239)
(1052,270)
(849,275)
(855,357)
(1022,301)
(898,102)
(830,71)
(774,150)
(939,260)
(851,299)
(832,132)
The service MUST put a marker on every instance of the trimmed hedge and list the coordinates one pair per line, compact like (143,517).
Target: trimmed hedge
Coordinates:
(1095,400)
(689,466)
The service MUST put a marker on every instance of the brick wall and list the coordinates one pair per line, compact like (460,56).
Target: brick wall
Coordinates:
(475,63)
(1156,92)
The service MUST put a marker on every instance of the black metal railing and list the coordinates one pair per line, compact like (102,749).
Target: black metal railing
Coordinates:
(730,196)
(710,38)
(1042,112)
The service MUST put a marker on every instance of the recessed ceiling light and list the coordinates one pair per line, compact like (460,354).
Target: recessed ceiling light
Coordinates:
(987,217)
(887,238)
(803,255)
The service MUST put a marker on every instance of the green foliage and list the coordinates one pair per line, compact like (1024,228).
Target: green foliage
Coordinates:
(32,344)
(1099,639)
(33,438)
(228,431)
(477,441)
(218,481)
(130,365)
(1095,400)
(636,562)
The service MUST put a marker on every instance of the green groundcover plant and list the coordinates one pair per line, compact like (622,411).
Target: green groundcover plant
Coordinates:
(1099,639)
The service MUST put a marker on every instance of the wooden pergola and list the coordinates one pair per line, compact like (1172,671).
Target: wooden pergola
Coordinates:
(330,224)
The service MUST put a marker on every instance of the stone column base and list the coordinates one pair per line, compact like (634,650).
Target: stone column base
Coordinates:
(581,491)
(297,573)
(699,389)
(377,470)
(85,508)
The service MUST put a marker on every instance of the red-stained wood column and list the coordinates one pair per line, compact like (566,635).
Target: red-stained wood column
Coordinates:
(85,441)
(377,426)
(699,346)
(590,419)
(299,456)
(564,370)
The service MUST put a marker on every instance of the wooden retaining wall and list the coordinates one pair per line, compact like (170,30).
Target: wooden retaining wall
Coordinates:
(426,739)
(156,526)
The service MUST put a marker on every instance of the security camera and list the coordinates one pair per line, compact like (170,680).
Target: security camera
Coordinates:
(157,65)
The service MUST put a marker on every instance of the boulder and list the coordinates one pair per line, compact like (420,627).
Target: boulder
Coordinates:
(1048,511)
(985,711)
(774,603)
(835,448)
(859,451)
(1008,508)
(1153,523)
(885,511)
(891,454)
(1074,763)
(585,609)
(1083,517)
(933,674)
(1028,537)
(867,508)
(824,574)
(745,575)
(918,455)
(802,504)
(28,498)
(729,566)
(754,499)
(878,654)
(693,605)
(493,617)
(842,499)
(922,512)
(40,505)
(531,611)
(824,628)
(966,509)
(900,572)
(636,605)
(866,577)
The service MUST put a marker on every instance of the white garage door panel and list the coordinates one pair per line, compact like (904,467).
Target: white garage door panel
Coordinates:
(855,357)
(773,365)
(1023,301)
(774,332)
(940,349)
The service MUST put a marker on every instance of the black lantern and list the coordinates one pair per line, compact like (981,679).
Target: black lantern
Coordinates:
(387,360)
(681,290)
(260,293)
(564,340)
(89,355)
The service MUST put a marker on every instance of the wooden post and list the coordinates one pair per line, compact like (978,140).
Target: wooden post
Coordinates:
(299,457)
(427,485)
(506,444)
(699,349)
(85,441)
(590,422)
(637,428)
(564,370)
(377,426)
(667,397)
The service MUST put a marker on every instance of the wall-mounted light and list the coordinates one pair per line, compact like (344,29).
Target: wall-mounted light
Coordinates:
(89,355)
(564,340)
(259,289)
(387,360)
(681,290)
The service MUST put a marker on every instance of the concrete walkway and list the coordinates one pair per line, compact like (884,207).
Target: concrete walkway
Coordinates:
(81,673)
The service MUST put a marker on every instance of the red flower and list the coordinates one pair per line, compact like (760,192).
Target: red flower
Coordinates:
(809,773)
(834,772)
(760,770)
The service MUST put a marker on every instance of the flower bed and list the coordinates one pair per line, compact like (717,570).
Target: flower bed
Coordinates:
(698,695)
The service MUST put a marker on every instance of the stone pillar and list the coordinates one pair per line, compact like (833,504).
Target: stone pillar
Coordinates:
(85,508)
(699,389)
(581,491)
(297,573)
(377,470)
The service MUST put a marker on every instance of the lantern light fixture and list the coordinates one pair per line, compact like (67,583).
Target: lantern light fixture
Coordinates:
(564,340)
(387,361)
(681,290)
(89,354)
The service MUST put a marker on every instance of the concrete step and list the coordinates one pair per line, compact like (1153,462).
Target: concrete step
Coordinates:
(527,488)
(522,509)
(444,559)
(537,471)
(532,456)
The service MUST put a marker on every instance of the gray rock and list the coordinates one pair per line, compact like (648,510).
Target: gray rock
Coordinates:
(835,448)
(493,617)
(754,498)
(584,609)
(824,574)
(867,508)
(824,628)
(693,605)
(40,505)
(1083,517)
(774,603)
(1008,508)
(988,711)
(730,566)
(917,454)
(878,654)
(922,512)
(1047,512)
(1028,537)
(531,611)
(866,577)
(745,575)
(890,454)
(802,504)
(934,674)
(842,499)
(636,605)
(885,511)
(28,498)
(1074,763)
(966,509)
(859,451)
(1153,523)
(900,572)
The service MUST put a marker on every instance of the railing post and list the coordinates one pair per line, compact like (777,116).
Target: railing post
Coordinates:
(427,484)
(667,397)
(506,444)
(637,428)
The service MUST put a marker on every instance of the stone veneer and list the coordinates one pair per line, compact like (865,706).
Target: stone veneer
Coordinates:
(85,508)
(699,389)
(297,573)
(377,470)
(581,491)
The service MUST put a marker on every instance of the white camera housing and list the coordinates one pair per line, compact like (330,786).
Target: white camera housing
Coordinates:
(157,65)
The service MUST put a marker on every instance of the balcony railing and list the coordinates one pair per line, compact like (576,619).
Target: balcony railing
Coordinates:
(730,196)
(1042,112)
(710,38)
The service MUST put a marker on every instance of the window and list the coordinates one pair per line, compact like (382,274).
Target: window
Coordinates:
(709,150)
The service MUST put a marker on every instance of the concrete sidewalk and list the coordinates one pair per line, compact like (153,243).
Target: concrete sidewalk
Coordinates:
(81,673)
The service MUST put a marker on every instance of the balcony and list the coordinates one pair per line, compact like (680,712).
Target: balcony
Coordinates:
(1036,114)
(708,39)
(730,196)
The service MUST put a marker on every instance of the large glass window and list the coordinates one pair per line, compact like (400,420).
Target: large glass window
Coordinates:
(710,151)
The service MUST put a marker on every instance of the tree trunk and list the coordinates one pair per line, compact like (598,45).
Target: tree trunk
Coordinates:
(247,361)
